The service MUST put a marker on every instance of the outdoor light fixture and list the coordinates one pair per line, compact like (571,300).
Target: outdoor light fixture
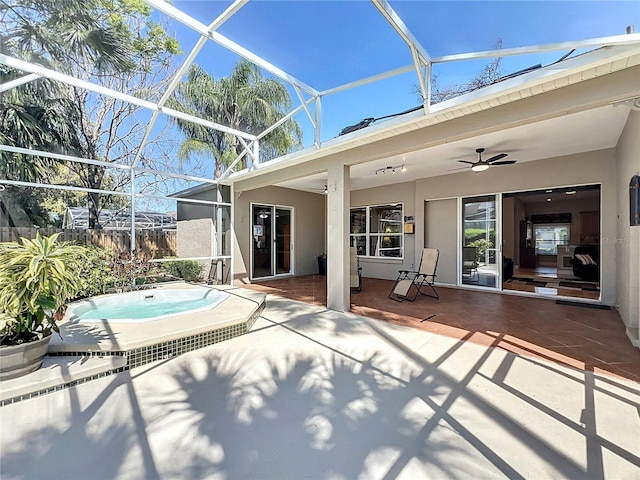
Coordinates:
(391,169)
(570,192)
(480,167)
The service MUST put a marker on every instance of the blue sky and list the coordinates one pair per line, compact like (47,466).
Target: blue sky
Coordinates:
(329,43)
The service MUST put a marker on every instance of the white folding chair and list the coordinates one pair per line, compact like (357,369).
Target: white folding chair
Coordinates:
(424,277)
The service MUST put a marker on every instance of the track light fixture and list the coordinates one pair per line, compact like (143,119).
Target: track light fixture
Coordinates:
(391,169)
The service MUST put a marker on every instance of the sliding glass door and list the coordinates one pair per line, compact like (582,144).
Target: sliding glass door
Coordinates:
(271,241)
(480,257)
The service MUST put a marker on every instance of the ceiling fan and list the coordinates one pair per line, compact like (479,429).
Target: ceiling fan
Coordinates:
(482,165)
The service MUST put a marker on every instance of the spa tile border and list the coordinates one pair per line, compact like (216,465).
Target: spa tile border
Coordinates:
(150,353)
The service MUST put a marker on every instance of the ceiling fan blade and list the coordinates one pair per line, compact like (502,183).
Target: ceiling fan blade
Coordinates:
(504,162)
(459,168)
(466,161)
(497,157)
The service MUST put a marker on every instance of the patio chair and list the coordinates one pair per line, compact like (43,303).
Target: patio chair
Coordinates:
(355,271)
(424,277)
(470,263)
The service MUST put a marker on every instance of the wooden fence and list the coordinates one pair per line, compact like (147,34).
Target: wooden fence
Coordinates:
(157,243)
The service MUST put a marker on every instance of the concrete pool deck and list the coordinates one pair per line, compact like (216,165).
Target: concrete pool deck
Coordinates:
(88,351)
(311,393)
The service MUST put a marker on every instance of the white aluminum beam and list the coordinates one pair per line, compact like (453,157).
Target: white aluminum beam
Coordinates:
(550,47)
(317,132)
(63,187)
(61,77)
(179,259)
(364,81)
(228,13)
(287,117)
(227,172)
(422,81)
(69,158)
(200,28)
(305,105)
(175,175)
(399,26)
(59,156)
(17,82)
(179,199)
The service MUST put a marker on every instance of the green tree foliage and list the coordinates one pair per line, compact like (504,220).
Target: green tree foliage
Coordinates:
(109,42)
(245,101)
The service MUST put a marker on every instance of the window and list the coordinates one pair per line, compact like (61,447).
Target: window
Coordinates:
(376,231)
(549,237)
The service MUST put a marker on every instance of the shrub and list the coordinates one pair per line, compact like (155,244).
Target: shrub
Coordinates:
(482,245)
(37,278)
(189,270)
(94,272)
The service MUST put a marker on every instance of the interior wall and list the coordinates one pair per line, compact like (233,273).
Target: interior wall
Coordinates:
(308,228)
(440,232)
(574,207)
(626,238)
(508,227)
(387,268)
(580,169)
(519,215)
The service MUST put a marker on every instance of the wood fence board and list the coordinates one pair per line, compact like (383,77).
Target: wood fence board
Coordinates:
(156,243)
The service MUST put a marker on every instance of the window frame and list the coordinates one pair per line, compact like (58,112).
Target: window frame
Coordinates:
(556,244)
(368,235)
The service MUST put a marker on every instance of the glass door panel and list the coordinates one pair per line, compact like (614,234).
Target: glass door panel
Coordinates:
(262,217)
(480,258)
(283,240)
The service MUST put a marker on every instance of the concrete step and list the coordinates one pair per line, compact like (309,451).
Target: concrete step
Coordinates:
(58,373)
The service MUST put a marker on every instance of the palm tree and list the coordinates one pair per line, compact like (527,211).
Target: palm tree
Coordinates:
(245,101)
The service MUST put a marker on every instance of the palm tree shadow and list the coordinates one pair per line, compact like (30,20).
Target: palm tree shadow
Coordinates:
(73,451)
(296,417)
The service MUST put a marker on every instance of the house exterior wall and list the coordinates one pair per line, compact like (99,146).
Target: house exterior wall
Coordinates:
(626,241)
(308,228)
(580,169)
(440,231)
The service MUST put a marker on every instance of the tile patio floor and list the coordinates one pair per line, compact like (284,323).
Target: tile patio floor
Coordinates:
(585,338)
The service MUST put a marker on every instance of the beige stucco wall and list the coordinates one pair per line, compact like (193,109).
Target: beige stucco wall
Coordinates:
(626,240)
(580,169)
(440,231)
(308,228)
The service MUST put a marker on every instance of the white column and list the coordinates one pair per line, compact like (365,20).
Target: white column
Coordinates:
(338,202)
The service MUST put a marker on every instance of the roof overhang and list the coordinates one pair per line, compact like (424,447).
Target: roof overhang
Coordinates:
(352,149)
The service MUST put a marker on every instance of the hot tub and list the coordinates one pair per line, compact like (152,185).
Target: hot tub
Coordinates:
(145,305)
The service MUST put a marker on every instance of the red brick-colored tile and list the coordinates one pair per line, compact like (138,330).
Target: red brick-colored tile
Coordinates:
(584,338)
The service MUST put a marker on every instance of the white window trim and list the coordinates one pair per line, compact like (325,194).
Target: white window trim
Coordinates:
(368,234)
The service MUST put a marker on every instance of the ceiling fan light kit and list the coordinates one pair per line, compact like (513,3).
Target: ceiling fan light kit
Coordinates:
(482,165)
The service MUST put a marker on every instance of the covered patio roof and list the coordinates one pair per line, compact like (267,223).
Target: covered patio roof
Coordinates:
(571,126)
